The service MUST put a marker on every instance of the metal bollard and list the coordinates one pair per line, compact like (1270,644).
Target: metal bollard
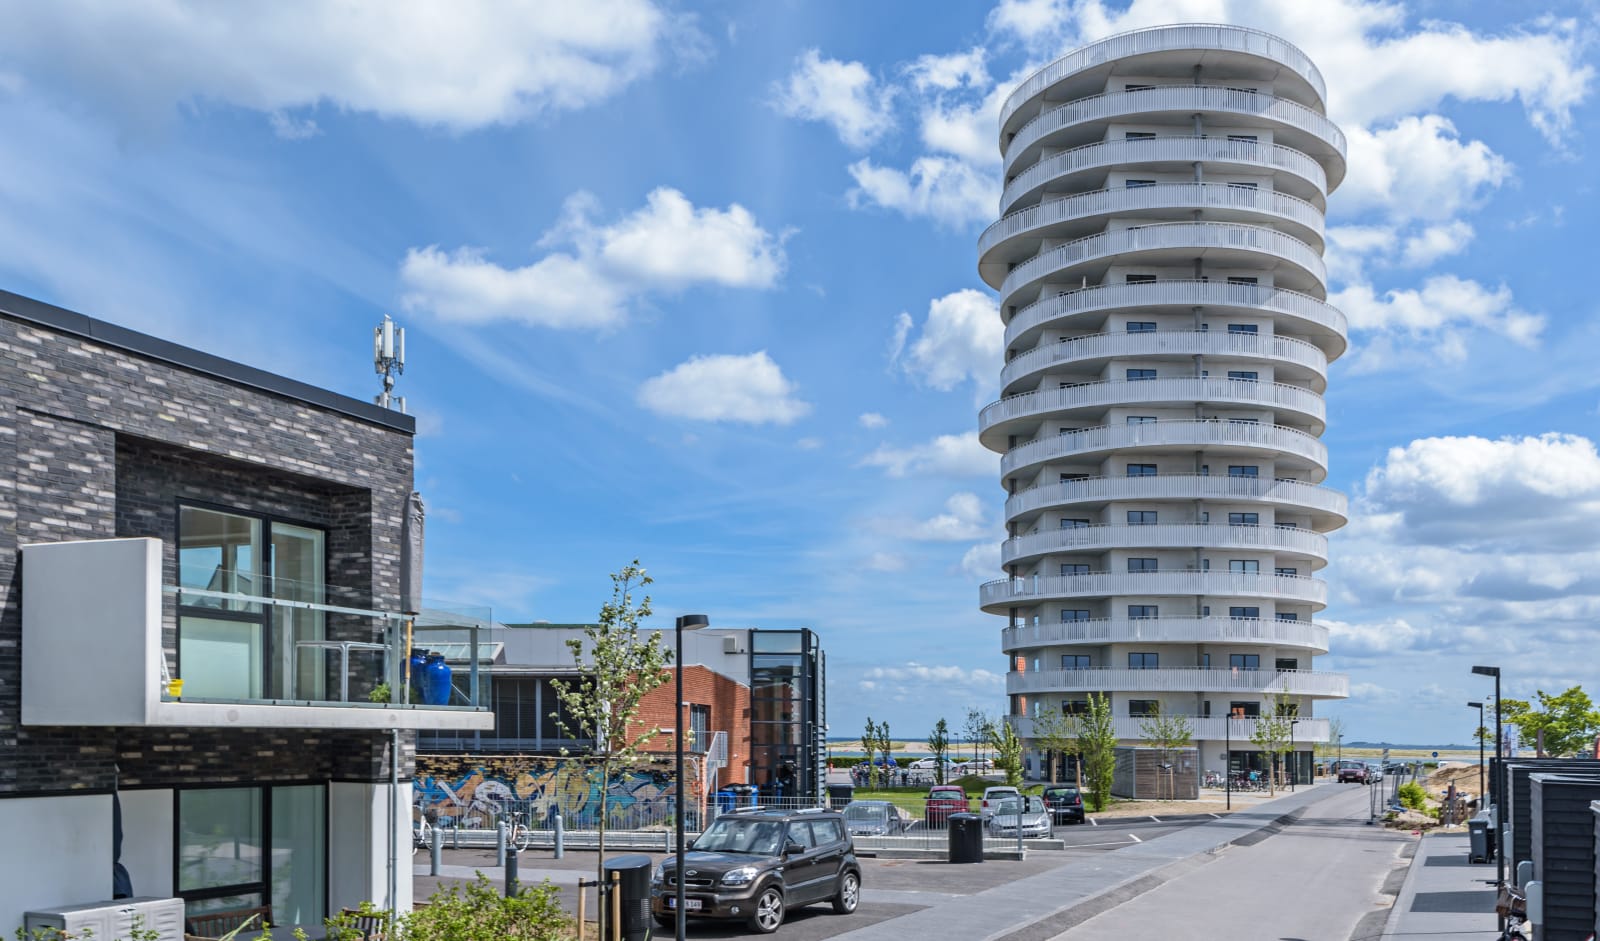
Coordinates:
(455,836)
(501,837)
(560,837)
(512,886)
(435,850)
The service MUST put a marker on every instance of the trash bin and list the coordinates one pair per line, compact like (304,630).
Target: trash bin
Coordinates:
(840,795)
(633,881)
(1480,839)
(744,795)
(724,801)
(966,838)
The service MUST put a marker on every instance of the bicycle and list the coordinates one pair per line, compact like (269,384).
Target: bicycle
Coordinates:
(421,835)
(518,833)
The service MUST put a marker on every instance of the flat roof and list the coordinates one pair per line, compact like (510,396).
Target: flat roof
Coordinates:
(62,320)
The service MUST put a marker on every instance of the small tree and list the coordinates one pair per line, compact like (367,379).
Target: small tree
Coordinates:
(938,744)
(974,729)
(885,747)
(869,744)
(1271,734)
(1097,750)
(618,668)
(1007,751)
(1168,732)
(1056,733)
(1568,720)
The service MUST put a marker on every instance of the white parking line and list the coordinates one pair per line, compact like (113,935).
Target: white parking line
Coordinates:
(1135,838)
(1093,822)
(1218,816)
(1155,818)
(1077,846)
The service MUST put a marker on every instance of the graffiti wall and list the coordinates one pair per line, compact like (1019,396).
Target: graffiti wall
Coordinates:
(473,790)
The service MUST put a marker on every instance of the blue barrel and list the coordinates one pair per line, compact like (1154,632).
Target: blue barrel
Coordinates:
(435,681)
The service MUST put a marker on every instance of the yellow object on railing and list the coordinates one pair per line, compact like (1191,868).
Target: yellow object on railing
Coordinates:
(175,688)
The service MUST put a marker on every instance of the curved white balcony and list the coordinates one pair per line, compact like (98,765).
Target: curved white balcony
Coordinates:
(1224,243)
(1002,593)
(1167,630)
(1019,231)
(1220,153)
(1201,729)
(1320,501)
(1312,316)
(1031,407)
(1189,435)
(1180,680)
(1285,539)
(1185,344)
(1292,123)
(1198,37)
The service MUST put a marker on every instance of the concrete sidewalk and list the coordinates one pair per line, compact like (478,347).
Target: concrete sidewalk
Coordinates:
(1444,896)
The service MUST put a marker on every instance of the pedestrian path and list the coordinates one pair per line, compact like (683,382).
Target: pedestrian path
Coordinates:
(1444,896)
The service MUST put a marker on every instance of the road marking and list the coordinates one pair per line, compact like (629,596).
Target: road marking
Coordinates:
(1135,838)
(1070,846)
(1217,816)
(1093,822)
(1155,818)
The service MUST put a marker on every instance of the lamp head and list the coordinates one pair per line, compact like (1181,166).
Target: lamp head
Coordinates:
(1472,705)
(1486,671)
(692,622)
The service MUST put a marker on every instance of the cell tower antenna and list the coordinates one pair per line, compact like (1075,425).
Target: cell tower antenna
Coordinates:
(388,361)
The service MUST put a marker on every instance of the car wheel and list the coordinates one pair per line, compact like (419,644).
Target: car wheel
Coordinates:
(769,911)
(849,894)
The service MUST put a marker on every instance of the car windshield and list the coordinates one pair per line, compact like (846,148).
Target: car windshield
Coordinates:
(741,836)
(870,813)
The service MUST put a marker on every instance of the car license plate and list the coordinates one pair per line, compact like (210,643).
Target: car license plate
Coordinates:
(689,905)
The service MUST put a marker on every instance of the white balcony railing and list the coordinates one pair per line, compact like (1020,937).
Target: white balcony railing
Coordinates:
(1181,433)
(1035,589)
(1327,323)
(1199,36)
(1171,343)
(1289,117)
(1185,150)
(1184,390)
(1291,493)
(1164,536)
(1187,236)
(1167,630)
(1201,728)
(1176,197)
(1178,680)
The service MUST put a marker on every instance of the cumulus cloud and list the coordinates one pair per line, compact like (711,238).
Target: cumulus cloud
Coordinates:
(962,519)
(872,420)
(982,561)
(667,245)
(464,67)
(944,456)
(1418,169)
(946,190)
(1432,322)
(961,339)
(748,389)
(893,679)
(842,95)
(946,72)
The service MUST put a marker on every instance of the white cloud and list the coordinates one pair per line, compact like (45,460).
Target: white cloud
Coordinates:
(842,95)
(912,672)
(982,561)
(962,519)
(872,420)
(749,389)
(290,128)
(1385,638)
(1434,320)
(961,339)
(946,190)
(886,562)
(1435,242)
(1418,168)
(463,66)
(808,444)
(946,72)
(667,245)
(946,456)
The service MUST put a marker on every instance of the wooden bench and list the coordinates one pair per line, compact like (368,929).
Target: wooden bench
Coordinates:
(217,924)
(370,924)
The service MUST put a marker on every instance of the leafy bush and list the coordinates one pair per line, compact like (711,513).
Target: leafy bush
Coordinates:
(1413,796)
(480,914)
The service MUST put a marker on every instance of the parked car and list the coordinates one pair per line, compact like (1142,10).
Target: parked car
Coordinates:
(943,800)
(1349,771)
(873,818)
(930,764)
(992,796)
(975,766)
(1065,803)
(740,868)
(1374,772)
(1028,812)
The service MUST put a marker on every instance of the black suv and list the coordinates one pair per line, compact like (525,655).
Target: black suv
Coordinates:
(755,863)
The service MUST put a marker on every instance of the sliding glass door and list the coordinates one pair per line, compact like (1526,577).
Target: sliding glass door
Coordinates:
(243,847)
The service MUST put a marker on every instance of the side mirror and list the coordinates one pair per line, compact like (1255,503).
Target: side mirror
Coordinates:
(792,848)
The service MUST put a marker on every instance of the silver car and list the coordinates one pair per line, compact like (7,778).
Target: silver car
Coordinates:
(872,818)
(1034,817)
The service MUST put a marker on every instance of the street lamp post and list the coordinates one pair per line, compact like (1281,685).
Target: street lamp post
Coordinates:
(1227,758)
(1499,783)
(686,622)
(1294,760)
(1483,796)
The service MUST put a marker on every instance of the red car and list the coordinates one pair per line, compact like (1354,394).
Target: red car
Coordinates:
(1354,772)
(942,801)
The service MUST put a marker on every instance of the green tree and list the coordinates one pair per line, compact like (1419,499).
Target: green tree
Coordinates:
(885,746)
(938,744)
(1007,751)
(618,666)
(869,744)
(975,728)
(1056,734)
(1568,720)
(1168,732)
(1097,750)
(1271,734)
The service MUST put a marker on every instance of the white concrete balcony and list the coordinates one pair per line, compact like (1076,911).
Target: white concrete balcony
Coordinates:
(1180,680)
(996,596)
(1289,356)
(1193,38)
(1016,236)
(1278,539)
(1227,437)
(1293,171)
(1079,121)
(96,657)
(1299,313)
(1225,244)
(1167,630)
(1327,507)
(1202,728)
(998,420)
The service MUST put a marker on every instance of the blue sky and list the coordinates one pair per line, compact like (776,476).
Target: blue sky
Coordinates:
(696,284)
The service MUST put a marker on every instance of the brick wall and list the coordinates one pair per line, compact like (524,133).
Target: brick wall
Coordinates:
(96,441)
(730,712)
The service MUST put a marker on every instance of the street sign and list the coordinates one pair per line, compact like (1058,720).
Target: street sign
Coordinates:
(1435,754)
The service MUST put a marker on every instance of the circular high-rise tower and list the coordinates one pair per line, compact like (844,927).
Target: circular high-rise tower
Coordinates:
(1167,338)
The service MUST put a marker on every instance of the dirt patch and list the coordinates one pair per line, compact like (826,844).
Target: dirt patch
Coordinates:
(1463,776)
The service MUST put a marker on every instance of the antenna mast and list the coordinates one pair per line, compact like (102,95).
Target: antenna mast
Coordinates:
(388,361)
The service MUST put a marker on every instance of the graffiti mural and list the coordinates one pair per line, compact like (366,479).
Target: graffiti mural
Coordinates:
(473,791)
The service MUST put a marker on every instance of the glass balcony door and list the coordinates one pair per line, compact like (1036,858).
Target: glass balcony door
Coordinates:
(296,575)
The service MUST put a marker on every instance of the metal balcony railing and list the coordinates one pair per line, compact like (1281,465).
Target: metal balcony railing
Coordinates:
(1180,679)
(1167,630)
(1190,435)
(1289,493)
